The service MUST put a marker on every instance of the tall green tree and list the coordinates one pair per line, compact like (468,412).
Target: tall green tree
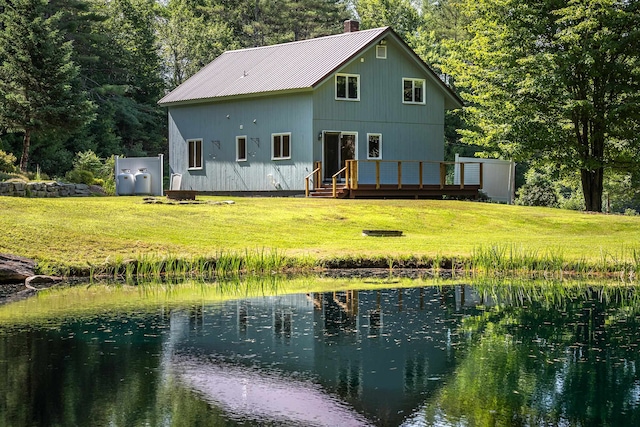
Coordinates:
(555,82)
(402,15)
(191,37)
(39,87)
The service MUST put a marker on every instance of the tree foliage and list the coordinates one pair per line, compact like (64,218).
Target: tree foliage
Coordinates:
(401,15)
(556,82)
(39,88)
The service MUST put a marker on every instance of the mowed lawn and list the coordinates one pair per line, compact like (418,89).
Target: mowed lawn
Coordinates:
(77,231)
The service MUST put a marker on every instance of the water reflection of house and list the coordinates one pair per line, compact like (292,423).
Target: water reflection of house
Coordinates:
(381,351)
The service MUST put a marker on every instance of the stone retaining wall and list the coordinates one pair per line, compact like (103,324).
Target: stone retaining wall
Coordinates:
(46,189)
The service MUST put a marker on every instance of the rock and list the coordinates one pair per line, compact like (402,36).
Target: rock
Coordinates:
(96,189)
(42,280)
(15,269)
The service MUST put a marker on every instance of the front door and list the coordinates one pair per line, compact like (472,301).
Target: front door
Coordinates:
(338,148)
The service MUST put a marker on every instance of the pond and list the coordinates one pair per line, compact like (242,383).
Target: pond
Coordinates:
(395,353)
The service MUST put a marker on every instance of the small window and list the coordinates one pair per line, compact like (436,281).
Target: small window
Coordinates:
(374,146)
(281,146)
(348,87)
(413,91)
(241,148)
(381,51)
(195,153)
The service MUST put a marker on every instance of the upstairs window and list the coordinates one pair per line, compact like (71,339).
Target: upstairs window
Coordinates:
(374,146)
(241,148)
(195,153)
(281,146)
(348,87)
(413,91)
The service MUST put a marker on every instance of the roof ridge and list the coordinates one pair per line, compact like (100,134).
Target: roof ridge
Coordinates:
(378,29)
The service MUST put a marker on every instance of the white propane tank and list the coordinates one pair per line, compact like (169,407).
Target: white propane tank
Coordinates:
(125,183)
(143,182)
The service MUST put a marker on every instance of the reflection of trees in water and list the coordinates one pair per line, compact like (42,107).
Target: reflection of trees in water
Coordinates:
(84,376)
(553,356)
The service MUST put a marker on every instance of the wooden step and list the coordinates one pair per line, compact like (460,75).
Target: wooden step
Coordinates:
(327,192)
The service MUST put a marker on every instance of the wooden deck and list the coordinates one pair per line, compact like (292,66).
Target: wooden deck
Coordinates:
(347,183)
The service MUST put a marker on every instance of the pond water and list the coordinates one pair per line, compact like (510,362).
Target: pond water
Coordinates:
(429,355)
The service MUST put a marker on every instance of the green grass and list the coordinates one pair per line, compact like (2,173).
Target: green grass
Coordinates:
(80,232)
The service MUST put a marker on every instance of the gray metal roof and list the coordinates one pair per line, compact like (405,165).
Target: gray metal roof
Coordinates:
(288,66)
(284,67)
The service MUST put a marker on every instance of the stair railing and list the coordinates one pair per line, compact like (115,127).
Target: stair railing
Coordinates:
(335,176)
(315,172)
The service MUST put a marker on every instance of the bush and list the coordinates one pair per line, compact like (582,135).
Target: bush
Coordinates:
(80,176)
(90,169)
(7,162)
(538,191)
(88,161)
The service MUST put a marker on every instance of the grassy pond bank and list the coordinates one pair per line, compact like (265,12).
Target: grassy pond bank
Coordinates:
(125,237)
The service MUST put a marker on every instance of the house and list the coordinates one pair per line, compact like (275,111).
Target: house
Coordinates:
(265,119)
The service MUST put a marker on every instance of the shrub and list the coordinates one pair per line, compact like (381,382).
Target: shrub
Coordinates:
(88,161)
(7,162)
(80,176)
(538,191)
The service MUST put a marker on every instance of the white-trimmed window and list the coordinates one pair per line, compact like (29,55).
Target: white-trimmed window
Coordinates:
(381,51)
(374,146)
(280,146)
(241,148)
(195,153)
(348,87)
(413,91)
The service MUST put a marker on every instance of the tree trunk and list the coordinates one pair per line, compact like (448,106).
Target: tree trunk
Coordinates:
(26,144)
(592,188)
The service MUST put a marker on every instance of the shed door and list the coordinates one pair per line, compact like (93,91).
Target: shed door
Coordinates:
(338,148)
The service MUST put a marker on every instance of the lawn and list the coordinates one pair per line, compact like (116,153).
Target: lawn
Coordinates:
(77,231)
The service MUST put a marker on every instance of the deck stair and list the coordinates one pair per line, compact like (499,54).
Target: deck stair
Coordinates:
(326,191)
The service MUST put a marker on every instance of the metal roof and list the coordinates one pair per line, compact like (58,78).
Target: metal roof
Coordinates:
(284,67)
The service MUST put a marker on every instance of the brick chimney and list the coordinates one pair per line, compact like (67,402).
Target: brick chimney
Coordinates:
(351,26)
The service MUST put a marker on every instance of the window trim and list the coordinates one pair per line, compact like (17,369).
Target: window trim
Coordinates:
(246,154)
(196,142)
(379,135)
(346,98)
(413,80)
(280,134)
(381,51)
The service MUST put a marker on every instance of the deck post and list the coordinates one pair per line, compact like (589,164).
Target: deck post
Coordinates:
(318,178)
(354,174)
(420,173)
(377,174)
(461,176)
(399,175)
(481,174)
(347,174)
(443,174)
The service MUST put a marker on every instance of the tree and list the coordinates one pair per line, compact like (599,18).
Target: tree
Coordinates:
(39,89)
(401,15)
(190,38)
(555,82)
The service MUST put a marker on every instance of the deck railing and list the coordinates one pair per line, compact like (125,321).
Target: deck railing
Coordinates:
(399,173)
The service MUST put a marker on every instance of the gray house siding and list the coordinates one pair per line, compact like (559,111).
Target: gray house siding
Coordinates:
(218,124)
(409,132)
